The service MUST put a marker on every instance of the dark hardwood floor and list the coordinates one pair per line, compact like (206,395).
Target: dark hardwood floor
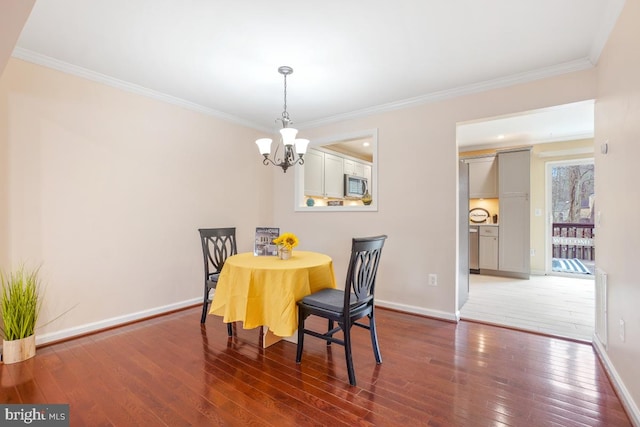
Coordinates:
(168,371)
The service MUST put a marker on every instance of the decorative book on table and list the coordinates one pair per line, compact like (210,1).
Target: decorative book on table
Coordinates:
(264,241)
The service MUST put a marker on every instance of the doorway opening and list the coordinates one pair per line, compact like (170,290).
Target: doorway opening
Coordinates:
(550,302)
(570,226)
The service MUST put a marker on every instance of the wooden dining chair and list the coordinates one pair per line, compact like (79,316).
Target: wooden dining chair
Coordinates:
(217,245)
(348,306)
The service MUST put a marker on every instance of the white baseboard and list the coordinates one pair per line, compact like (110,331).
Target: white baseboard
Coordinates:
(418,310)
(114,321)
(626,399)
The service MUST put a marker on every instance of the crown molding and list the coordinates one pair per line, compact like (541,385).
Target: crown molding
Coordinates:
(520,78)
(65,67)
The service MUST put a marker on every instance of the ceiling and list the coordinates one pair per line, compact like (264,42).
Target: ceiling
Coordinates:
(560,123)
(349,58)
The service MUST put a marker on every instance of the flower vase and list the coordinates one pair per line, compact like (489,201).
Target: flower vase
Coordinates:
(285,253)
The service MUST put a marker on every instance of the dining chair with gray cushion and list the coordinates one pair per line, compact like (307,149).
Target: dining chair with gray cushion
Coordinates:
(348,306)
(217,245)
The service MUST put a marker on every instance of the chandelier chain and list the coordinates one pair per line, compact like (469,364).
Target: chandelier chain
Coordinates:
(285,114)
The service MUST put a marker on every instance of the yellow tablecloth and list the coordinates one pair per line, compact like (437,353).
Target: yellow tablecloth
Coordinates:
(263,290)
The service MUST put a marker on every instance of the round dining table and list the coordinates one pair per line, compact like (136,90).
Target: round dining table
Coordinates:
(263,290)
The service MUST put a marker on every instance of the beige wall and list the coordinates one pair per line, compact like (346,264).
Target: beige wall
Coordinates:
(4,181)
(106,190)
(13,15)
(617,120)
(417,191)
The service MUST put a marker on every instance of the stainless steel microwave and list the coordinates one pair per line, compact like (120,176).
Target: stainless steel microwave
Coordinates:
(355,186)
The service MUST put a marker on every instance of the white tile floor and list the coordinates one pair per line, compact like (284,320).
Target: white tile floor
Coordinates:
(553,305)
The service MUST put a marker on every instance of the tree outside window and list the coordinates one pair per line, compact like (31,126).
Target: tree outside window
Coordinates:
(573,198)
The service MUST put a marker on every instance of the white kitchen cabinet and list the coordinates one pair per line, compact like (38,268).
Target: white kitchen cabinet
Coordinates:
(514,238)
(333,176)
(323,174)
(349,166)
(483,178)
(514,172)
(314,173)
(514,235)
(488,253)
(352,167)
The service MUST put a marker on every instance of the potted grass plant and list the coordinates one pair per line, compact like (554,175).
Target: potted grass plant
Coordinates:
(20,304)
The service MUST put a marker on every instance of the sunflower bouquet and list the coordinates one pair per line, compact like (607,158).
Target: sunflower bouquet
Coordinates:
(286,241)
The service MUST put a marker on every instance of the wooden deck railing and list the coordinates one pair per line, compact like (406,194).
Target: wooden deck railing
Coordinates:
(573,241)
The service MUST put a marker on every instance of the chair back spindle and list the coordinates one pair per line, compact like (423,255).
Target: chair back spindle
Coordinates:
(363,268)
(216,249)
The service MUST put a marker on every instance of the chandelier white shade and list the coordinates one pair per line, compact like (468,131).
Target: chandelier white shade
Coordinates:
(264,145)
(287,137)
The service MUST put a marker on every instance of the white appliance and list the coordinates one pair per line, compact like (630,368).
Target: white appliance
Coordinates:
(355,186)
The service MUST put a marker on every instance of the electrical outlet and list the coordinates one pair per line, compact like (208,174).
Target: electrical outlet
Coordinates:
(433,279)
(622,330)
(532,252)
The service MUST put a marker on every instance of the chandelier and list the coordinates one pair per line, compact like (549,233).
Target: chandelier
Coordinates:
(292,146)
